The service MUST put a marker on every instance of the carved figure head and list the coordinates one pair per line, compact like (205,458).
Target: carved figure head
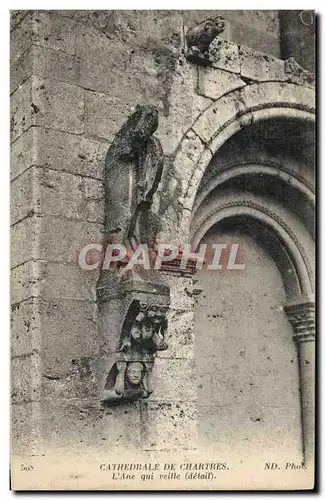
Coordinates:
(134,373)
(156,313)
(214,26)
(143,122)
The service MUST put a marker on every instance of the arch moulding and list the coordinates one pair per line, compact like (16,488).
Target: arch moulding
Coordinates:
(220,121)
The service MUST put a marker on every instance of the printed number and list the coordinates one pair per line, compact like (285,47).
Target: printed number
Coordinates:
(27,468)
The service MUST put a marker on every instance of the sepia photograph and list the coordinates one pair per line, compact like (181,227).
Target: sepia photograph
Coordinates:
(162,250)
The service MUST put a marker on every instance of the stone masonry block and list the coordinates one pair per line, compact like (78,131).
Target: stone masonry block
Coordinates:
(93,44)
(62,239)
(257,94)
(22,153)
(260,67)
(224,55)
(105,115)
(56,65)
(21,112)
(44,28)
(25,327)
(25,378)
(216,115)
(145,27)
(24,195)
(16,16)
(25,281)
(24,239)
(108,75)
(51,100)
(93,189)
(69,333)
(25,428)
(214,82)
(54,32)
(71,153)
(21,38)
(76,423)
(68,282)
(21,70)
(44,62)
(191,148)
(182,105)
(61,193)
(73,196)
(167,426)
(181,297)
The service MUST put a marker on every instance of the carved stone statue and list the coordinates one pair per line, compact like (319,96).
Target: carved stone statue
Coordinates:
(200,37)
(143,334)
(133,169)
(147,330)
(127,381)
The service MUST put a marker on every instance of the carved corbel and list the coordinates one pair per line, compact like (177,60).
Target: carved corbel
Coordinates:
(143,334)
(200,37)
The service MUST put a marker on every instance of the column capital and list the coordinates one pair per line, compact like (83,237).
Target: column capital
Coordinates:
(301,314)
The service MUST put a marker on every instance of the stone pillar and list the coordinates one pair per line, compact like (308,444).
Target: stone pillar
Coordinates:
(301,314)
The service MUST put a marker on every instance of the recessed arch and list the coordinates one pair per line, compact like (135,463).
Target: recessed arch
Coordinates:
(247,169)
(221,120)
(293,253)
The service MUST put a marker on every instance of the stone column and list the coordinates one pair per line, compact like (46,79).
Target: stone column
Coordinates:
(301,314)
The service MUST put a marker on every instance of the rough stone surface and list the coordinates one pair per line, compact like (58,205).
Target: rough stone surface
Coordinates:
(214,82)
(67,282)
(43,28)
(105,115)
(187,156)
(168,426)
(173,380)
(21,112)
(25,327)
(67,152)
(62,238)
(223,110)
(88,423)
(69,334)
(16,16)
(24,240)
(260,67)
(25,375)
(50,102)
(24,195)
(224,55)
(22,153)
(181,106)
(25,281)
(26,430)
(21,70)
(180,337)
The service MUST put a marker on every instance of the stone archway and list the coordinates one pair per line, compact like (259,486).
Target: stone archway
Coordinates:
(251,195)
(204,199)
(230,113)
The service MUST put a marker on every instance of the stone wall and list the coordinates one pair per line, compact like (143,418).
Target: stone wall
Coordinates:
(75,77)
